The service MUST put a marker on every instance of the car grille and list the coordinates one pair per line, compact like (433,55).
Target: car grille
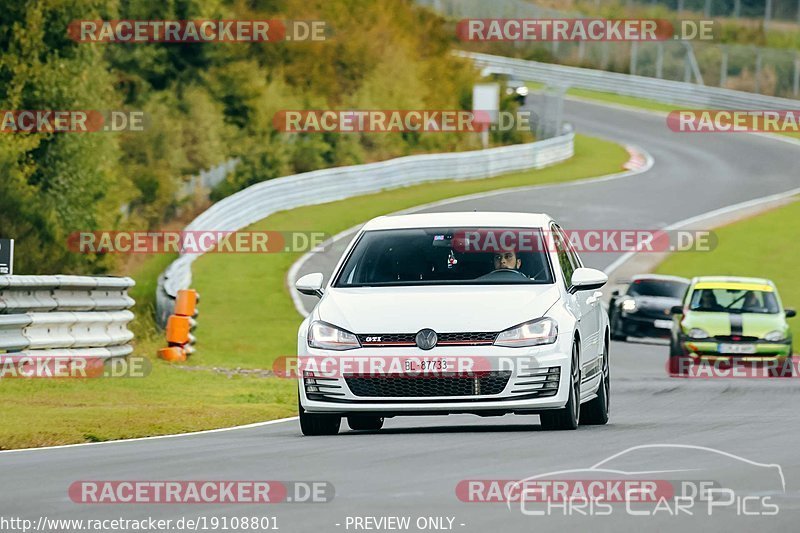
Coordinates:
(738,338)
(444,339)
(484,384)
(655,314)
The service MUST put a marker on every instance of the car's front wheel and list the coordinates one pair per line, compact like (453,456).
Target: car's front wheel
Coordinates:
(616,327)
(595,412)
(318,424)
(679,362)
(364,422)
(567,417)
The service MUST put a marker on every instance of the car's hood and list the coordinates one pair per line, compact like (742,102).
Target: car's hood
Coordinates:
(443,309)
(753,324)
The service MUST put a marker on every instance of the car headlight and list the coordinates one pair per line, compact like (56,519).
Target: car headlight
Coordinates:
(697,333)
(533,333)
(775,336)
(629,306)
(328,337)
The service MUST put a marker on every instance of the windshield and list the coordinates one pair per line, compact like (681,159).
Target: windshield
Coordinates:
(653,287)
(734,301)
(442,256)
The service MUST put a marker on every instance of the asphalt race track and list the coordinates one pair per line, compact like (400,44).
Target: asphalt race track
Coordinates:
(413,466)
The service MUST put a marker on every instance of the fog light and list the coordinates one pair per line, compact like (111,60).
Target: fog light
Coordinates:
(552,377)
(312,388)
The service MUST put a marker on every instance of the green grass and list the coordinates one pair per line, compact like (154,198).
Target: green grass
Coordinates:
(246,320)
(632,101)
(762,246)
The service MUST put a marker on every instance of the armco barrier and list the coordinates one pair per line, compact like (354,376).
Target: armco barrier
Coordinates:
(672,92)
(261,200)
(81,316)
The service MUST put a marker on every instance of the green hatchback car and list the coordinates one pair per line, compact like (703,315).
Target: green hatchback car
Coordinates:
(727,320)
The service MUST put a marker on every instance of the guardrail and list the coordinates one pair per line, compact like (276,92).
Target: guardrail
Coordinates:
(65,316)
(261,200)
(672,92)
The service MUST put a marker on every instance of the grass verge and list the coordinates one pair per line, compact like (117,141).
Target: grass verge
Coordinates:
(246,320)
(762,246)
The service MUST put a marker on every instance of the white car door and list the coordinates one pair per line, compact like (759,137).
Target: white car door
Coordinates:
(592,306)
(576,303)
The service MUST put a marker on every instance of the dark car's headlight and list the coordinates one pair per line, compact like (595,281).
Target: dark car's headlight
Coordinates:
(533,333)
(329,337)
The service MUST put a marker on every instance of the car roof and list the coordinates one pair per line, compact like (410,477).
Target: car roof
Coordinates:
(480,219)
(731,279)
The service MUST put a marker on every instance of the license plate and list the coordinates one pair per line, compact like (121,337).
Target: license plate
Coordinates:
(737,348)
(426,365)
(663,324)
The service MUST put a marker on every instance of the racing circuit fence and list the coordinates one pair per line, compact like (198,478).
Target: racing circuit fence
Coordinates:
(668,91)
(261,200)
(65,316)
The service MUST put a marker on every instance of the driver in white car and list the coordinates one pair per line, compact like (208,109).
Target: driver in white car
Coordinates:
(507,260)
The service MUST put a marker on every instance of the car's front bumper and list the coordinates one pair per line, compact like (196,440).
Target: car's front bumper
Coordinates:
(762,351)
(637,325)
(527,368)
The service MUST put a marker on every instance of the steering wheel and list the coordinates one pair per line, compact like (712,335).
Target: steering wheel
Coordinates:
(503,272)
(542,271)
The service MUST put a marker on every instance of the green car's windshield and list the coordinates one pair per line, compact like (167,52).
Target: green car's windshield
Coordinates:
(734,301)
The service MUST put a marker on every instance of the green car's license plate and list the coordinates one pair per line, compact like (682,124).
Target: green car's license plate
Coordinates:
(736,348)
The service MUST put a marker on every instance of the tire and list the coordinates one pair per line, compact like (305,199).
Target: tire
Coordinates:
(595,412)
(678,361)
(616,335)
(313,425)
(568,416)
(365,422)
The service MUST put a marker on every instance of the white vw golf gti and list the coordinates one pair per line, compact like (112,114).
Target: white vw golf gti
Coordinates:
(481,313)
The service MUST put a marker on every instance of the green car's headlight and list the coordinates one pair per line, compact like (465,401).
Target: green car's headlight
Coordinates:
(775,336)
(697,333)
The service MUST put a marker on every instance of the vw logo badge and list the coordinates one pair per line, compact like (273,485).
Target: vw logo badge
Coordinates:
(426,339)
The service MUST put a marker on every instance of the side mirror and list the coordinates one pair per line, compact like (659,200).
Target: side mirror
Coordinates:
(310,284)
(790,313)
(676,310)
(586,279)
